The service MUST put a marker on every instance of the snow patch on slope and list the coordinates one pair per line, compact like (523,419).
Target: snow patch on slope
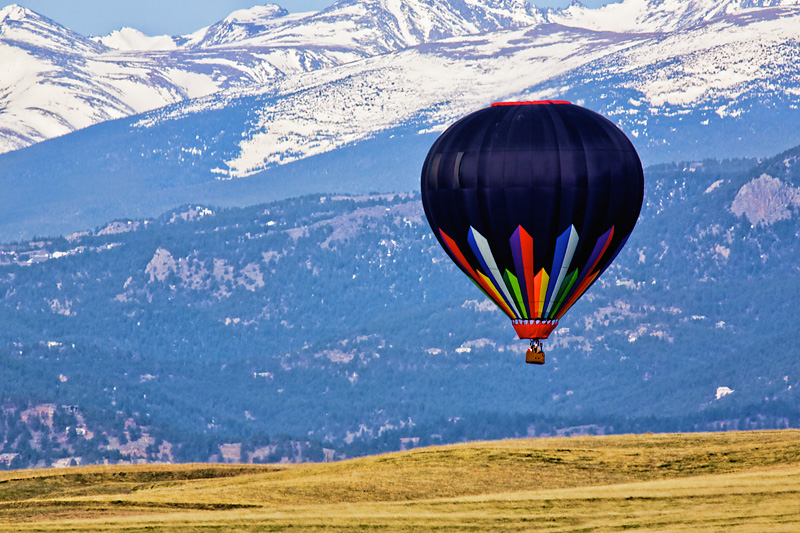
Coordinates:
(429,86)
(726,57)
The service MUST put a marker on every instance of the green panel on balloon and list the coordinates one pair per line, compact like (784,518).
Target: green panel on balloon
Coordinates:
(513,284)
(562,293)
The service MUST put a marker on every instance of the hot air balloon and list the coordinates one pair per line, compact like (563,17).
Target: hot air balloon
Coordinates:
(532,201)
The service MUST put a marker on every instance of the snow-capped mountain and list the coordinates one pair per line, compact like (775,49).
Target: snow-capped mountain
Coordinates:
(56,81)
(25,29)
(381,26)
(652,85)
(239,26)
(358,111)
(657,16)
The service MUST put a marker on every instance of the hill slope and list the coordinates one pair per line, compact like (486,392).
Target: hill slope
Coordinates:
(338,319)
(747,481)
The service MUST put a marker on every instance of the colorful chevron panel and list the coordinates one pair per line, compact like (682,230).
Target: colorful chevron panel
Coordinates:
(528,297)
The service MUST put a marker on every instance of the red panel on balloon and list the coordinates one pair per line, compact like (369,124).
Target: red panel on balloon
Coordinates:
(534,329)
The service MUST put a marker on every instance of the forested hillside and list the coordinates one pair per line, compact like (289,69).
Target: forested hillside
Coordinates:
(279,331)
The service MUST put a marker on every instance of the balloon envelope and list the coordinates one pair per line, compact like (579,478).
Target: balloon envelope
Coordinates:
(533,201)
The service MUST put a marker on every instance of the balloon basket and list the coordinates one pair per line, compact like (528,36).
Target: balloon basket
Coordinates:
(534,329)
(535,354)
(534,357)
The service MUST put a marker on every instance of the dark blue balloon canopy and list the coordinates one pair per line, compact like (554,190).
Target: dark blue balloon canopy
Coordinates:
(533,201)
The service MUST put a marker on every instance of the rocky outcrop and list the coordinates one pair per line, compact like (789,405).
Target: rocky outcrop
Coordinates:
(161,265)
(766,200)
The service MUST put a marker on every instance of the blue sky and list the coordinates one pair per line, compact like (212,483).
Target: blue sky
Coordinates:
(172,17)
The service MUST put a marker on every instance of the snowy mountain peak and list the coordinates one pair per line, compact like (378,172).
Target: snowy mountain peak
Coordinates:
(21,25)
(473,15)
(13,12)
(256,14)
(240,25)
(15,17)
(647,16)
(380,26)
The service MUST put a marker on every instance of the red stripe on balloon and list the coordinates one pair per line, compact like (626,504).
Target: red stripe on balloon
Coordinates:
(526,244)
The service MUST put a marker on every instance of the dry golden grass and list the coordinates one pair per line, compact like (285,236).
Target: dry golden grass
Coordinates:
(745,481)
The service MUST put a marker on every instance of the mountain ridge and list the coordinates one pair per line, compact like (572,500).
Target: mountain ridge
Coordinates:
(657,16)
(247,49)
(725,88)
(259,46)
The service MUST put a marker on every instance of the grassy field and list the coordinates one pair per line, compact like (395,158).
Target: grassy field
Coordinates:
(740,481)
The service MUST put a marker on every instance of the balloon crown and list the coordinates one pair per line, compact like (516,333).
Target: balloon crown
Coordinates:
(531,102)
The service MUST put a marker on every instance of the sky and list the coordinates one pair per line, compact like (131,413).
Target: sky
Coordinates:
(171,17)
